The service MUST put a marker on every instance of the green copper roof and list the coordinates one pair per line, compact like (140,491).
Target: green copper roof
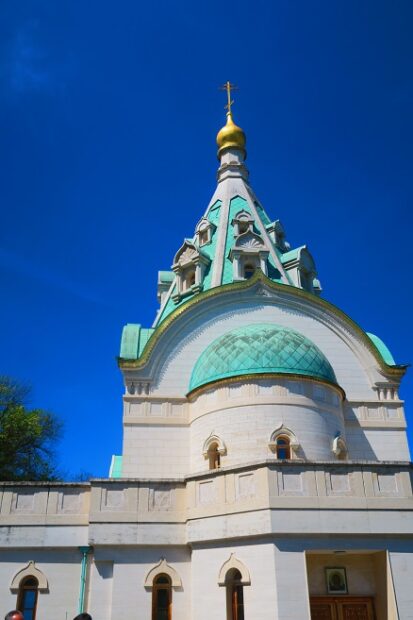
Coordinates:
(209,251)
(261,348)
(237,204)
(291,254)
(383,350)
(240,204)
(116,467)
(134,339)
(166,277)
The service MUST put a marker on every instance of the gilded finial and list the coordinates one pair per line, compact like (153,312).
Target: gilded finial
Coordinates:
(230,136)
(228,87)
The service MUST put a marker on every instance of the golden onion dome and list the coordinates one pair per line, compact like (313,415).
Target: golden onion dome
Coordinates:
(231,137)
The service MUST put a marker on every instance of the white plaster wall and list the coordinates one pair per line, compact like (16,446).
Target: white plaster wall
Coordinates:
(367,575)
(62,570)
(389,445)
(155,451)
(33,532)
(377,444)
(292,593)
(360,571)
(99,600)
(246,431)
(146,448)
(260,600)
(130,567)
(186,341)
(401,564)
(278,590)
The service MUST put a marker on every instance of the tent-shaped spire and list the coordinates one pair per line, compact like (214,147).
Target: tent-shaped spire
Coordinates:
(235,236)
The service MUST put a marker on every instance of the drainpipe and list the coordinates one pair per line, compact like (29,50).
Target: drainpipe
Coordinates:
(83,576)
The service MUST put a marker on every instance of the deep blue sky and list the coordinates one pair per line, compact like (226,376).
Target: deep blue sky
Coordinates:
(109,112)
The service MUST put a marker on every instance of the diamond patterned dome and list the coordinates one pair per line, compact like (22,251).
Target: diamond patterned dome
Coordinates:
(262,348)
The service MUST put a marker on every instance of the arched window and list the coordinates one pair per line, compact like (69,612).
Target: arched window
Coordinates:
(283,448)
(242,223)
(203,236)
(235,595)
(284,443)
(161,598)
(249,271)
(243,226)
(213,449)
(189,279)
(204,231)
(214,456)
(27,597)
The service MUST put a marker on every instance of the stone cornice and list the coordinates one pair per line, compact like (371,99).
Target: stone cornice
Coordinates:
(272,463)
(263,375)
(44,484)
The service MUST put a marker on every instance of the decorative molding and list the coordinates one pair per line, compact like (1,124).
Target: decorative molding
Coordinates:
(189,266)
(138,387)
(186,253)
(166,569)
(242,217)
(339,447)
(249,241)
(267,375)
(205,227)
(282,430)
(222,449)
(386,391)
(310,299)
(29,571)
(234,564)
(187,256)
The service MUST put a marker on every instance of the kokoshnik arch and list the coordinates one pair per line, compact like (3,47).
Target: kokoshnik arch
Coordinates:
(264,444)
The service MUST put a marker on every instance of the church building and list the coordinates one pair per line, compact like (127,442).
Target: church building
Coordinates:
(265,471)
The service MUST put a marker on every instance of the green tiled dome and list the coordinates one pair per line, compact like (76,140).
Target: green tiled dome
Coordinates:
(262,348)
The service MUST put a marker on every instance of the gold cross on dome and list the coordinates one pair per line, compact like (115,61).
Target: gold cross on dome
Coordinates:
(228,87)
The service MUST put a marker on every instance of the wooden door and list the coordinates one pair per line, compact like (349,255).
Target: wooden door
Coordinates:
(355,609)
(162,598)
(323,610)
(341,608)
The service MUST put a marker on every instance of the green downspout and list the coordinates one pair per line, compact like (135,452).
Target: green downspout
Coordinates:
(83,574)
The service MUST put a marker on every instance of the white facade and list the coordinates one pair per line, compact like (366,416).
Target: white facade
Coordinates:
(342,498)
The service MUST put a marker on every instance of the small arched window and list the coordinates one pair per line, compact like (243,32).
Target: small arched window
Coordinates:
(189,279)
(283,449)
(203,236)
(243,227)
(249,271)
(235,595)
(161,598)
(214,456)
(27,597)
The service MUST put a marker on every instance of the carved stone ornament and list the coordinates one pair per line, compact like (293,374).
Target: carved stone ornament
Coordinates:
(29,571)
(234,563)
(249,240)
(214,439)
(339,447)
(187,256)
(280,431)
(166,569)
